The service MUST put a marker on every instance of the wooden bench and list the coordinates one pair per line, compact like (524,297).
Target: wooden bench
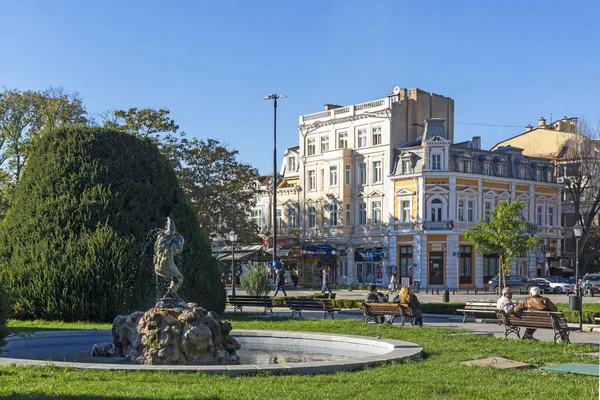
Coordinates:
(535,320)
(487,308)
(239,302)
(372,312)
(297,305)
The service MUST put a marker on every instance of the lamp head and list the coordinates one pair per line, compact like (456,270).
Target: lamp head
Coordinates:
(233,236)
(577,230)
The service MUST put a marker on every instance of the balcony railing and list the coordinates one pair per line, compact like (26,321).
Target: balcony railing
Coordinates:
(347,111)
(438,225)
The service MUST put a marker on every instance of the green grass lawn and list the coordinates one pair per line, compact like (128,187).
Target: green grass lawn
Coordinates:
(438,375)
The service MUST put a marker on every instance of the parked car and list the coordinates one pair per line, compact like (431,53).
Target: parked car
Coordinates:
(557,284)
(594,280)
(518,283)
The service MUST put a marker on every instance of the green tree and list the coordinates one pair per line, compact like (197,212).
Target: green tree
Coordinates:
(219,187)
(579,167)
(24,116)
(256,281)
(506,233)
(77,242)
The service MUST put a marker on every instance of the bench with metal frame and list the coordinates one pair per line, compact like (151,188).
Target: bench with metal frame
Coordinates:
(487,308)
(535,320)
(239,302)
(298,304)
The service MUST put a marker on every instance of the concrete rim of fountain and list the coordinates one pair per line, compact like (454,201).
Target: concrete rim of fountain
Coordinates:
(398,350)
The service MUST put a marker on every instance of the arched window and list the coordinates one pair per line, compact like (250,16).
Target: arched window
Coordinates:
(436,210)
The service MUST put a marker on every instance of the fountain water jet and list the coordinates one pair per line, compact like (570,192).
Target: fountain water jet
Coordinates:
(172,332)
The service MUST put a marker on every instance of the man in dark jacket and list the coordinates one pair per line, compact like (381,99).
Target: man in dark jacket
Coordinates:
(534,302)
(279,282)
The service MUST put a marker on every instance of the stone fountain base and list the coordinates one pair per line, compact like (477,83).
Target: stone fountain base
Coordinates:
(187,334)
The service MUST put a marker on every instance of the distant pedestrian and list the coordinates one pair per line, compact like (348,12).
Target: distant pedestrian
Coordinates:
(393,286)
(279,283)
(325,280)
(294,278)
(409,299)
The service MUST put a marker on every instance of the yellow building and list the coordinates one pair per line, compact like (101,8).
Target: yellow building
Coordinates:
(442,189)
(552,141)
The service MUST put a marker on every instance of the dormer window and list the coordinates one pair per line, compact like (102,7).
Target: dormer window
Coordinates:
(487,168)
(501,170)
(291,164)
(469,166)
(539,175)
(522,171)
(436,162)
(406,166)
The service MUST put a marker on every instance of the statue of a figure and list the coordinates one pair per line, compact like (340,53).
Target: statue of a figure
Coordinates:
(168,244)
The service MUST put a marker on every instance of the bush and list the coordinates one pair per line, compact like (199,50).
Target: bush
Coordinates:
(256,281)
(4,310)
(77,243)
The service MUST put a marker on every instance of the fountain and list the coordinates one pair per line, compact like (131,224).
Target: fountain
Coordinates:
(172,332)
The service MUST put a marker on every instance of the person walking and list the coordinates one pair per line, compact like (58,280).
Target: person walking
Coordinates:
(279,283)
(393,286)
(294,278)
(325,279)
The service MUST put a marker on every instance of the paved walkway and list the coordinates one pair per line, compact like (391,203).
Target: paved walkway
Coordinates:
(448,322)
(426,297)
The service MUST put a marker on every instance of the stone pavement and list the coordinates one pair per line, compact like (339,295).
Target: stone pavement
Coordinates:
(425,297)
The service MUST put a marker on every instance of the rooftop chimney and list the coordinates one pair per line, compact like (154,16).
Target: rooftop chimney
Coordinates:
(477,142)
(331,106)
(528,128)
(542,122)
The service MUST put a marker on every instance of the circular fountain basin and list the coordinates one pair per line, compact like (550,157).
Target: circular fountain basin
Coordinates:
(262,351)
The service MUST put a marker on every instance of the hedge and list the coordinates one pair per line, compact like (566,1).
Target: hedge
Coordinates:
(77,243)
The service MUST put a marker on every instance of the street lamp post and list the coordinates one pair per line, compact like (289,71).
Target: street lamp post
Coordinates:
(577,231)
(233,237)
(274,97)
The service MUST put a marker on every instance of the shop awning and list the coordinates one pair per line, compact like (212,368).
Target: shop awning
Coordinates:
(238,256)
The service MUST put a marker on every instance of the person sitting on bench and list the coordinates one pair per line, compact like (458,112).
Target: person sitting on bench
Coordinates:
(534,302)
(409,299)
(505,302)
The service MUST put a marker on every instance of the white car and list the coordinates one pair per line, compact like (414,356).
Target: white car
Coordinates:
(557,284)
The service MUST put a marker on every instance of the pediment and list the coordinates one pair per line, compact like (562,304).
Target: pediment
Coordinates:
(437,189)
(404,192)
(375,193)
(469,191)
(505,194)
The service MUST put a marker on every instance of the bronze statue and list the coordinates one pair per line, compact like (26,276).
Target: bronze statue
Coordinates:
(168,244)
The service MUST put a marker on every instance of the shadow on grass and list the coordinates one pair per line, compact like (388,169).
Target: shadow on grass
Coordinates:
(80,397)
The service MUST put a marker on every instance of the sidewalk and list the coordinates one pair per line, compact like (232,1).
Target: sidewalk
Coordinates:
(591,336)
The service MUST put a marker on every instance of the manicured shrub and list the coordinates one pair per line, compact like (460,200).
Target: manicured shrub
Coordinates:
(256,281)
(77,243)
(4,310)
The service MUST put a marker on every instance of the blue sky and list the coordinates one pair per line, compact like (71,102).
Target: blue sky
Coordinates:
(211,63)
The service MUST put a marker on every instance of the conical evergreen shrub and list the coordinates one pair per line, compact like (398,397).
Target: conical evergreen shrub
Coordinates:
(77,243)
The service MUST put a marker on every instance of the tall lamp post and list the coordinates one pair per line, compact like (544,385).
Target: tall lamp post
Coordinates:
(233,237)
(577,231)
(274,97)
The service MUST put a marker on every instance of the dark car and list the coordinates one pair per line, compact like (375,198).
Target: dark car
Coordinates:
(519,283)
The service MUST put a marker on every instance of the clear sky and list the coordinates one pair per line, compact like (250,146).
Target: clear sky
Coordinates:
(212,62)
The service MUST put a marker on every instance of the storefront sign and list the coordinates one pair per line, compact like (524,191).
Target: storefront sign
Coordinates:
(436,246)
(316,250)
(368,255)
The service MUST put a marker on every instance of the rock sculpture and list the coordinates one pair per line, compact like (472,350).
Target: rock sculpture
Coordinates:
(172,332)
(183,335)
